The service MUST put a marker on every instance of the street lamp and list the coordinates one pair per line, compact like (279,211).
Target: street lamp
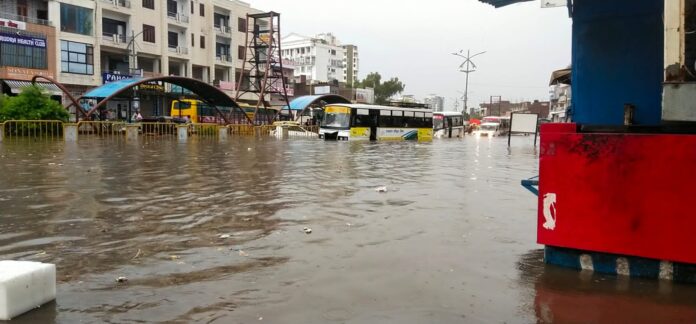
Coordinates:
(467,67)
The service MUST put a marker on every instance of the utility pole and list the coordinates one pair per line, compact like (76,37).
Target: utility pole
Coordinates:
(467,67)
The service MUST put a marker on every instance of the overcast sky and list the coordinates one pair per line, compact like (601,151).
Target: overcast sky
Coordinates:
(413,40)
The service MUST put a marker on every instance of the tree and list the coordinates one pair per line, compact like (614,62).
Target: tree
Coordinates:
(383,91)
(32,104)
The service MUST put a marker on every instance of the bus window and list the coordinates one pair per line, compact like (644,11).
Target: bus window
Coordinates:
(397,118)
(385,119)
(183,105)
(361,118)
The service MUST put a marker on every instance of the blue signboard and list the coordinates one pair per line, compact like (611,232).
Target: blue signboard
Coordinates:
(111,77)
(8,38)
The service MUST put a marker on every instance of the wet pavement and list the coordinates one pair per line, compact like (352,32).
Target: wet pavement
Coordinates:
(214,233)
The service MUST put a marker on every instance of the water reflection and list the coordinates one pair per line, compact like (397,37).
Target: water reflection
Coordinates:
(568,296)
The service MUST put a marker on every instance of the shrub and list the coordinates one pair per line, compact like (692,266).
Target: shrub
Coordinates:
(32,104)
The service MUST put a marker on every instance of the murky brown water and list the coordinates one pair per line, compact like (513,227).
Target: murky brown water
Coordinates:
(213,232)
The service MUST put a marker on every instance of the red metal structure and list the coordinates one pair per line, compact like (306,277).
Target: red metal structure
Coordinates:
(622,193)
(263,59)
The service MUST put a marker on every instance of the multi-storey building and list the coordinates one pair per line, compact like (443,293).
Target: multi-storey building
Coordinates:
(319,58)
(435,102)
(351,64)
(27,45)
(90,42)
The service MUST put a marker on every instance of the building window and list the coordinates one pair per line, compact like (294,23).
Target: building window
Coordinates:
(202,10)
(149,33)
(242,25)
(76,57)
(22,8)
(173,39)
(193,40)
(149,4)
(202,41)
(192,8)
(241,52)
(113,27)
(74,19)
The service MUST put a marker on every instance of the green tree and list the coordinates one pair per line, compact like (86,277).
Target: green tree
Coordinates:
(32,104)
(383,90)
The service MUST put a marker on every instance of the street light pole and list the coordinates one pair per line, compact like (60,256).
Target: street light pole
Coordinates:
(470,67)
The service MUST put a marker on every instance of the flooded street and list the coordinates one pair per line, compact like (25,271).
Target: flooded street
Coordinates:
(214,232)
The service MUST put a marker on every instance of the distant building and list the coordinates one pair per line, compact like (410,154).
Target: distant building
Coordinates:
(561,96)
(505,108)
(351,64)
(435,102)
(319,58)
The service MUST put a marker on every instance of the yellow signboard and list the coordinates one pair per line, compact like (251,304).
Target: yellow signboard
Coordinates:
(337,110)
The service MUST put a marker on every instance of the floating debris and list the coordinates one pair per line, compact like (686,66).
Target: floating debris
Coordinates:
(121,279)
(225,236)
(381,189)
(242,253)
(307,230)
(174,257)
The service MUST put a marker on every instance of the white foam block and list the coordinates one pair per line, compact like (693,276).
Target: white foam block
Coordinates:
(25,285)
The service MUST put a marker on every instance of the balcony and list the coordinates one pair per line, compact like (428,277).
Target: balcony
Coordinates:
(114,40)
(178,50)
(178,17)
(223,58)
(24,19)
(222,30)
(224,85)
(118,3)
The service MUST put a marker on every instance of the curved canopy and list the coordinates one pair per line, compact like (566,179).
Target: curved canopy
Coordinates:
(301,103)
(207,92)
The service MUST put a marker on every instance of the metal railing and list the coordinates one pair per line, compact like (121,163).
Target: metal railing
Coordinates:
(205,130)
(178,17)
(117,130)
(32,129)
(158,129)
(119,3)
(30,20)
(101,129)
(223,58)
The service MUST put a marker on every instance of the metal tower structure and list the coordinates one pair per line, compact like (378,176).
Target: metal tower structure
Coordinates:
(262,68)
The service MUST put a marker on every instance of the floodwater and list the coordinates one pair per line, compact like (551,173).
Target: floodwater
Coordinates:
(214,233)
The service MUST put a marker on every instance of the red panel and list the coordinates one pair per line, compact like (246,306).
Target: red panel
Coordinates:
(618,193)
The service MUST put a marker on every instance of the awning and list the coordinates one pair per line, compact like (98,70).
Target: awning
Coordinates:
(300,103)
(16,87)
(560,76)
(502,3)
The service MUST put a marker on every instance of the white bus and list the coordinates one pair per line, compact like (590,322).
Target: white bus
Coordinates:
(371,122)
(448,124)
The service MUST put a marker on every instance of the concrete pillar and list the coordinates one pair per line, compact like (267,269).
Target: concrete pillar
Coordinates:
(70,132)
(224,131)
(132,132)
(182,133)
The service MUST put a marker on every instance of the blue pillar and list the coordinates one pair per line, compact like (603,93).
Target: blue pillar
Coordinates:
(617,59)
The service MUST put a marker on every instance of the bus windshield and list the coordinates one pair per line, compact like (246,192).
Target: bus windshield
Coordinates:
(438,122)
(338,117)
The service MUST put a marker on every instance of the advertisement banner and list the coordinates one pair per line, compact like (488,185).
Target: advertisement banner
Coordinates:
(7,38)
(111,77)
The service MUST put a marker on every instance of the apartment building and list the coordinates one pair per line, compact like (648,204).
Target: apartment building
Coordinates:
(91,42)
(319,58)
(351,64)
(436,103)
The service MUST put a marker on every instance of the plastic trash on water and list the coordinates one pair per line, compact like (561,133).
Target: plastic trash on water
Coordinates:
(307,230)
(381,189)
